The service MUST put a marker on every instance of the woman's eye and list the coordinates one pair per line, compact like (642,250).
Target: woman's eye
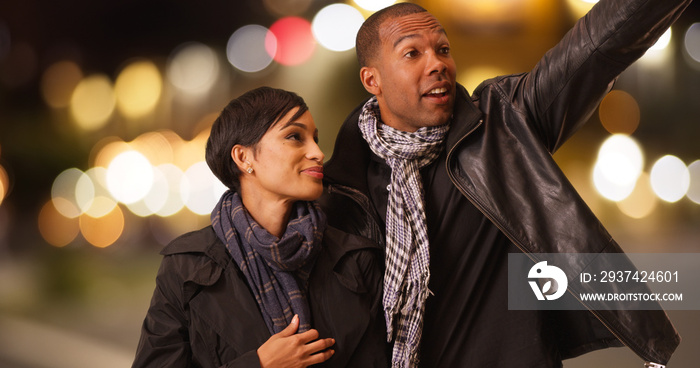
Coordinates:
(411,53)
(294,137)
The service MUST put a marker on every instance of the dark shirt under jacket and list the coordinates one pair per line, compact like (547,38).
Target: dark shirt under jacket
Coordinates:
(467,321)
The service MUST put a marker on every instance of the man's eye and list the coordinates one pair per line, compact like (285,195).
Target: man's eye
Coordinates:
(445,50)
(412,53)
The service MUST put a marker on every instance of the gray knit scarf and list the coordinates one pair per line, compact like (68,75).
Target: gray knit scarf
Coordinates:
(277,269)
(407,254)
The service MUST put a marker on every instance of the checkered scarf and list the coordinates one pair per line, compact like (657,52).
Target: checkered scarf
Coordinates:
(277,269)
(407,254)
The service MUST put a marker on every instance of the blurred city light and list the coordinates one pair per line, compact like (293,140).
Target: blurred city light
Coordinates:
(4,183)
(694,187)
(57,229)
(286,7)
(335,26)
(101,202)
(201,189)
(294,39)
(246,48)
(59,81)
(168,182)
(129,177)
(670,178)
(663,41)
(374,5)
(102,231)
(620,159)
(692,42)
(641,202)
(619,112)
(473,76)
(93,102)
(193,68)
(138,88)
(63,193)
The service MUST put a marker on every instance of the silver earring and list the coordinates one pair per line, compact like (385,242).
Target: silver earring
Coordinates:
(250,170)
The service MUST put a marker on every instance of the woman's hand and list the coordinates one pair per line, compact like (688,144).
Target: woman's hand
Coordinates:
(290,350)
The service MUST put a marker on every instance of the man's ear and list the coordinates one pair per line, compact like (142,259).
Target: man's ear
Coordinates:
(240,156)
(370,80)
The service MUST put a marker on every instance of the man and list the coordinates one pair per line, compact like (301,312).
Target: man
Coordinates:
(451,183)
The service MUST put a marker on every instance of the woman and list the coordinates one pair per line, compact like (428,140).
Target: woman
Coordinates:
(268,284)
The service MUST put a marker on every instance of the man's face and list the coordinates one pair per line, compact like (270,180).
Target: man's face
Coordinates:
(415,73)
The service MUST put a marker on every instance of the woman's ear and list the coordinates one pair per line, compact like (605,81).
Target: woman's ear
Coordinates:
(240,156)
(370,80)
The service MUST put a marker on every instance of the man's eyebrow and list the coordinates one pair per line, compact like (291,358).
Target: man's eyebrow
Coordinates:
(412,35)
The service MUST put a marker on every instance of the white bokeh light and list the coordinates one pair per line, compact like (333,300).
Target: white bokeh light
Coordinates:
(246,50)
(129,177)
(618,167)
(193,68)
(374,5)
(670,178)
(694,188)
(201,190)
(663,41)
(335,26)
(691,42)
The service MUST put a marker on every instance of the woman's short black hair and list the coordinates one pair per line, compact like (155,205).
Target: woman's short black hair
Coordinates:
(244,121)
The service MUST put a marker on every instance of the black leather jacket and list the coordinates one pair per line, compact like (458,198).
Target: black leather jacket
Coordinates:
(499,151)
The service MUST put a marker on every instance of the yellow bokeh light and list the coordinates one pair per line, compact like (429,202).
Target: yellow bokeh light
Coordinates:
(92,102)
(55,228)
(138,89)
(619,113)
(642,201)
(103,231)
(107,149)
(59,81)
(155,146)
(4,184)
(473,76)
(579,8)
(63,192)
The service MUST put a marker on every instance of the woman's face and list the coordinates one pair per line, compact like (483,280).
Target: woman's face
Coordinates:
(287,162)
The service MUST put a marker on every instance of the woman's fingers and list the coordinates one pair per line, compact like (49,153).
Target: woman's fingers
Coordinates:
(319,345)
(291,329)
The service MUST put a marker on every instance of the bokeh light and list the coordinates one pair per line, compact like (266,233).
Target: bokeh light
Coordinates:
(101,203)
(335,26)
(102,231)
(692,42)
(246,50)
(670,178)
(57,229)
(129,177)
(287,7)
(473,76)
(93,102)
(618,166)
(374,5)
(294,39)
(138,88)
(193,68)
(663,41)
(172,202)
(63,193)
(155,146)
(619,112)
(694,187)
(641,202)
(58,82)
(4,184)
(201,188)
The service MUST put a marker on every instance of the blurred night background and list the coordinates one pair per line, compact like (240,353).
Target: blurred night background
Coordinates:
(105,107)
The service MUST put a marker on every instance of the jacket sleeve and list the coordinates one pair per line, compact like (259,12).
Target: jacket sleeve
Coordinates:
(165,334)
(568,83)
(164,338)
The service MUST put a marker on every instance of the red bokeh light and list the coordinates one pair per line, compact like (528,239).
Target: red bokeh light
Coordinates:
(290,41)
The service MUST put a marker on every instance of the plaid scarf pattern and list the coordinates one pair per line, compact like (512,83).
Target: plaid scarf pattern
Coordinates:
(277,269)
(407,254)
